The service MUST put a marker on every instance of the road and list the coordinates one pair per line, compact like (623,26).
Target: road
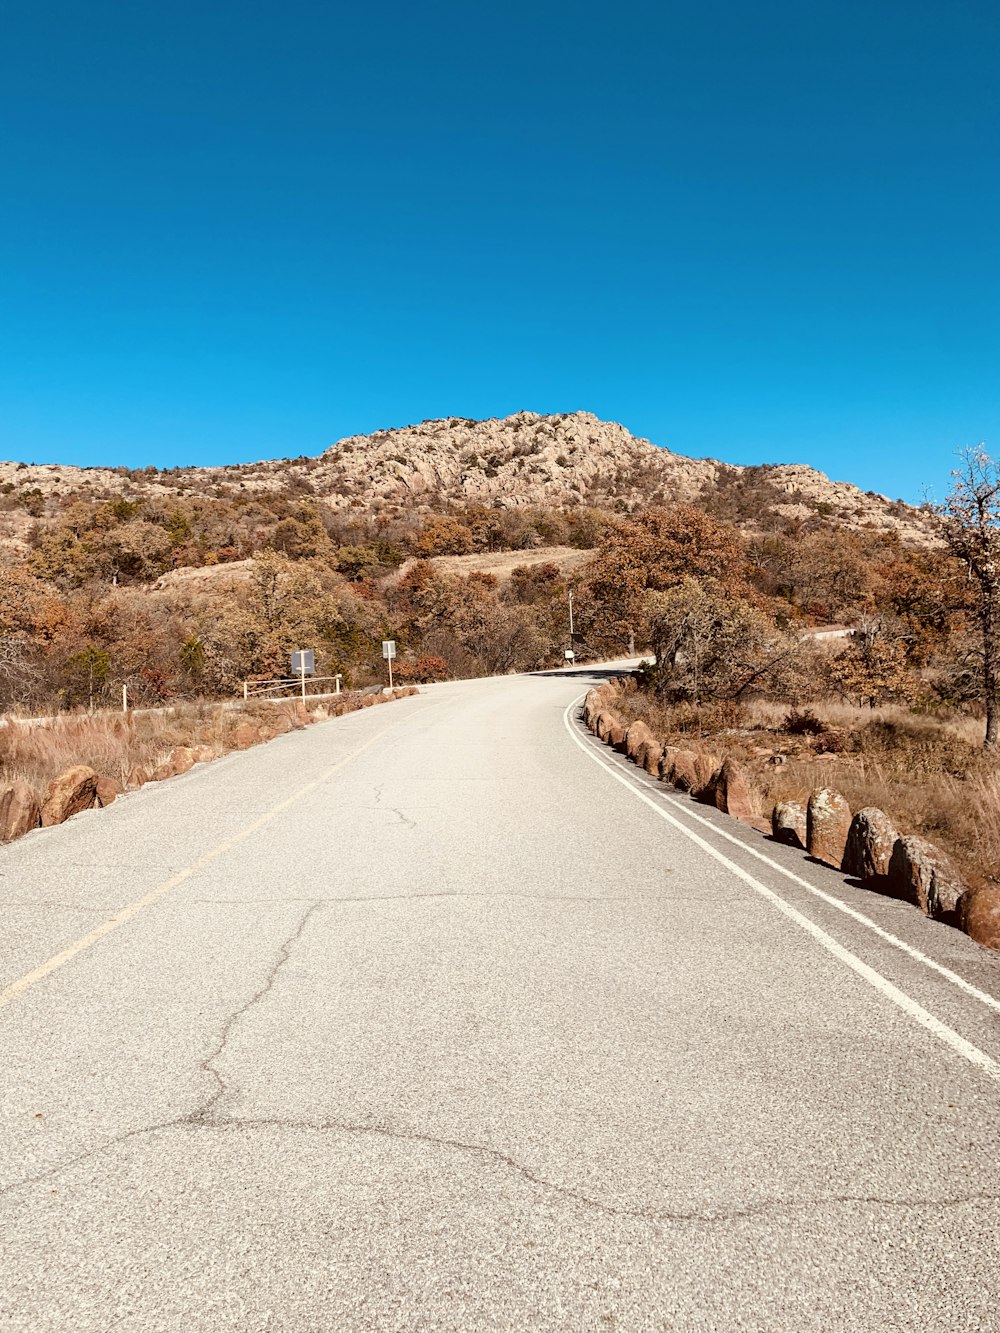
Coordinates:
(439,1016)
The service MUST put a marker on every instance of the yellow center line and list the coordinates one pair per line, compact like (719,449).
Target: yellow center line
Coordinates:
(132,909)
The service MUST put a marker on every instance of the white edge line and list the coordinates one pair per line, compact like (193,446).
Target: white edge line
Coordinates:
(875,979)
(982,996)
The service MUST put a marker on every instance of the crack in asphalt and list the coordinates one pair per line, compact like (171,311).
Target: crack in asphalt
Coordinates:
(201,1119)
(207,1064)
(697,1217)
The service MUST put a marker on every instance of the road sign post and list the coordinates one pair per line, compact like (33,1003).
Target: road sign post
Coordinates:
(389,652)
(304,664)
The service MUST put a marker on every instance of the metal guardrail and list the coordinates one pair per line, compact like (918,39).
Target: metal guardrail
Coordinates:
(291,687)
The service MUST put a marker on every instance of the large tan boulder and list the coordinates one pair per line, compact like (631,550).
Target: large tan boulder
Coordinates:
(602,724)
(138,776)
(592,705)
(870,841)
(650,756)
(107,791)
(788,823)
(246,734)
(20,811)
(923,874)
(979,916)
(642,747)
(667,756)
(68,794)
(183,759)
(729,791)
(828,822)
(690,770)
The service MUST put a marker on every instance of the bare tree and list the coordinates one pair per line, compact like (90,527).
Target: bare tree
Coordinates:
(972,530)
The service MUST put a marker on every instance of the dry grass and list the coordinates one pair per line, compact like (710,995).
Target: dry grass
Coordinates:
(114,745)
(929,774)
(501,564)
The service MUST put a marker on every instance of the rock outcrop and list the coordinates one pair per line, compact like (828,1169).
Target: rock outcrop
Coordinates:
(521,460)
(923,874)
(69,794)
(828,822)
(870,841)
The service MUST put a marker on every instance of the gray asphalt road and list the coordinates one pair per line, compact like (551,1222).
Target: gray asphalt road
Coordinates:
(438,1017)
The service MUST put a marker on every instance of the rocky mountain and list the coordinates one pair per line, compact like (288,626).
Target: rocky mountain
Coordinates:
(526,459)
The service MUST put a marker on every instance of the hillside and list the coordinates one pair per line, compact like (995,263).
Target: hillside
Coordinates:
(520,461)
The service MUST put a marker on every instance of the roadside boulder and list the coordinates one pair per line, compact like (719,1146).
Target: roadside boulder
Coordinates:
(592,705)
(182,759)
(138,777)
(246,734)
(979,916)
(107,791)
(828,822)
(68,794)
(691,770)
(637,737)
(870,841)
(650,756)
(616,734)
(788,823)
(728,790)
(923,874)
(20,811)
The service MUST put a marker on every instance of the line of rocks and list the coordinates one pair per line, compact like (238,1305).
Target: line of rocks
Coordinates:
(81,788)
(864,845)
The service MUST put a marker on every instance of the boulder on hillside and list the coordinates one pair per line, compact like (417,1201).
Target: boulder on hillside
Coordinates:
(138,777)
(828,822)
(20,811)
(68,794)
(729,791)
(923,874)
(788,823)
(979,916)
(107,791)
(870,841)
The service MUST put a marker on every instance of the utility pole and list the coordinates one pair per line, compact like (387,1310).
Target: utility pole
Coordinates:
(571,621)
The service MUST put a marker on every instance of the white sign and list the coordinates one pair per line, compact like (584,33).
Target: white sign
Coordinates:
(569,655)
(389,649)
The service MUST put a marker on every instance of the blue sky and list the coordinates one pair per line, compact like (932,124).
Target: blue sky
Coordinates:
(763,232)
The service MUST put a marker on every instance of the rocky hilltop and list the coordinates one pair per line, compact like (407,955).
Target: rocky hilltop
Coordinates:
(526,459)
